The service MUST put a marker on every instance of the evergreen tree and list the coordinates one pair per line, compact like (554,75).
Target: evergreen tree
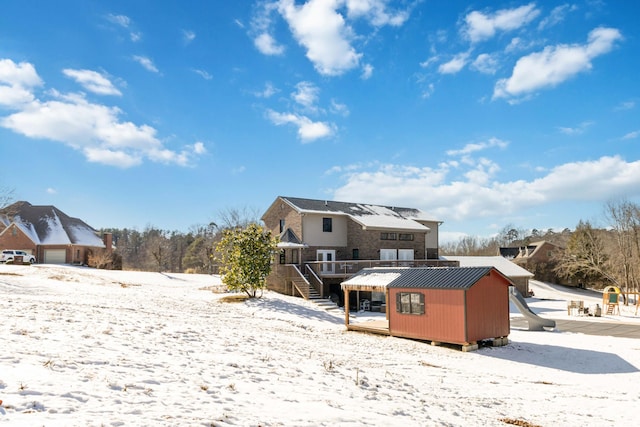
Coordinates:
(245,258)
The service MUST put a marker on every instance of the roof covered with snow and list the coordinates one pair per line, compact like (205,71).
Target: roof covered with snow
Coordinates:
(367,215)
(48,225)
(501,264)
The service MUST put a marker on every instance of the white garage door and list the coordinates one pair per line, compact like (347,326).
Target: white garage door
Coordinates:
(55,256)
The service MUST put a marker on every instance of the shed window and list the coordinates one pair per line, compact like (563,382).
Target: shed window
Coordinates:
(410,302)
(327,225)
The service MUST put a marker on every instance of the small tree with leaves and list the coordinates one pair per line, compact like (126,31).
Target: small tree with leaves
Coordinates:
(245,258)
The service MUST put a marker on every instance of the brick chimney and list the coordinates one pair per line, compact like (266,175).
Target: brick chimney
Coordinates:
(107,238)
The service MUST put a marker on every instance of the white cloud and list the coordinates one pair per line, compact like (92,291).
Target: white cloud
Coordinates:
(517,44)
(627,105)
(454,65)
(308,130)
(485,63)
(482,26)
(306,94)
(479,146)
(146,63)
(93,129)
(121,20)
(267,45)
(367,71)
(188,36)
(92,81)
(432,60)
(376,12)
(323,32)
(479,195)
(126,23)
(202,73)
(199,148)
(268,91)
(17,82)
(428,90)
(579,130)
(632,135)
(51,190)
(338,108)
(557,15)
(555,64)
(325,29)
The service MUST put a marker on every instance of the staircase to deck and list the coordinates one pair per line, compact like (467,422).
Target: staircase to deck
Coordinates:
(309,292)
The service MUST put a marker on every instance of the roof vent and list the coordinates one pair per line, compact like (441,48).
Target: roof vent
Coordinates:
(326,203)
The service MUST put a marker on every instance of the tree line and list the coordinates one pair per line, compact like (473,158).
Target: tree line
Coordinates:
(596,255)
(155,249)
(593,255)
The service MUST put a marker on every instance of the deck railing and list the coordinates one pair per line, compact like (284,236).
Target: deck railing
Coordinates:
(348,268)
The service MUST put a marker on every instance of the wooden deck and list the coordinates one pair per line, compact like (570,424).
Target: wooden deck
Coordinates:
(380,327)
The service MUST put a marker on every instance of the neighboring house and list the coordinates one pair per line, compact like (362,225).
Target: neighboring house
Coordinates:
(519,276)
(322,242)
(458,305)
(50,234)
(540,258)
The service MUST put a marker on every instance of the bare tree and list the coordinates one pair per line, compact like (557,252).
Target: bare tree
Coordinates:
(6,196)
(624,219)
(585,258)
(238,217)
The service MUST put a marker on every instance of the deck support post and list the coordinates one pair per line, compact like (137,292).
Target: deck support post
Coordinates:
(346,308)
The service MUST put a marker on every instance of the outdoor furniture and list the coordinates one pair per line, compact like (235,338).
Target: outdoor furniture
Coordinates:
(575,308)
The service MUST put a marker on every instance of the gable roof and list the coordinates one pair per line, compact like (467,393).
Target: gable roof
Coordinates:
(418,277)
(367,215)
(525,251)
(288,239)
(502,264)
(48,225)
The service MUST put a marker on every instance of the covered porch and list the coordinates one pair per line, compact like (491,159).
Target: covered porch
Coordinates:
(372,322)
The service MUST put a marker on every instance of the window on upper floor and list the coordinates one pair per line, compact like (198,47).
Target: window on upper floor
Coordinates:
(281,225)
(388,236)
(327,225)
(406,237)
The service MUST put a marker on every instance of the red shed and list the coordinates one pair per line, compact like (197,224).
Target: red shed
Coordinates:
(457,305)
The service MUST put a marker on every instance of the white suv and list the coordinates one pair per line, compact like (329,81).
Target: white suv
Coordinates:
(9,254)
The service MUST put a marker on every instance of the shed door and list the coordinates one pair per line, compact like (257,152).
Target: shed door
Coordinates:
(55,256)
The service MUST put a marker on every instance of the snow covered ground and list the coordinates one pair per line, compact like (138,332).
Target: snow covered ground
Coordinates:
(83,347)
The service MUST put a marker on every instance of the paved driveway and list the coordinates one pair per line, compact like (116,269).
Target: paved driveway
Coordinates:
(625,330)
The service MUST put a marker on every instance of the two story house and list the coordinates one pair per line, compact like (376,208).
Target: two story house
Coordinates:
(323,242)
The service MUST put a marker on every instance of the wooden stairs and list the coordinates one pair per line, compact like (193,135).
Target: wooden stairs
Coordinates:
(308,292)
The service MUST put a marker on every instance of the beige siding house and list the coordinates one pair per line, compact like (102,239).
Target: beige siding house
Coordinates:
(322,242)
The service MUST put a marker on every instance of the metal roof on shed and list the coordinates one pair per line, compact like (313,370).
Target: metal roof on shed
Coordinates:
(418,277)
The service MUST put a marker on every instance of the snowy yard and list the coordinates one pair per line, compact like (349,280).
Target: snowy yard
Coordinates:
(83,347)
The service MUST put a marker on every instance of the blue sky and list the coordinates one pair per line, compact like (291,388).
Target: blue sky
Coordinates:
(485,114)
